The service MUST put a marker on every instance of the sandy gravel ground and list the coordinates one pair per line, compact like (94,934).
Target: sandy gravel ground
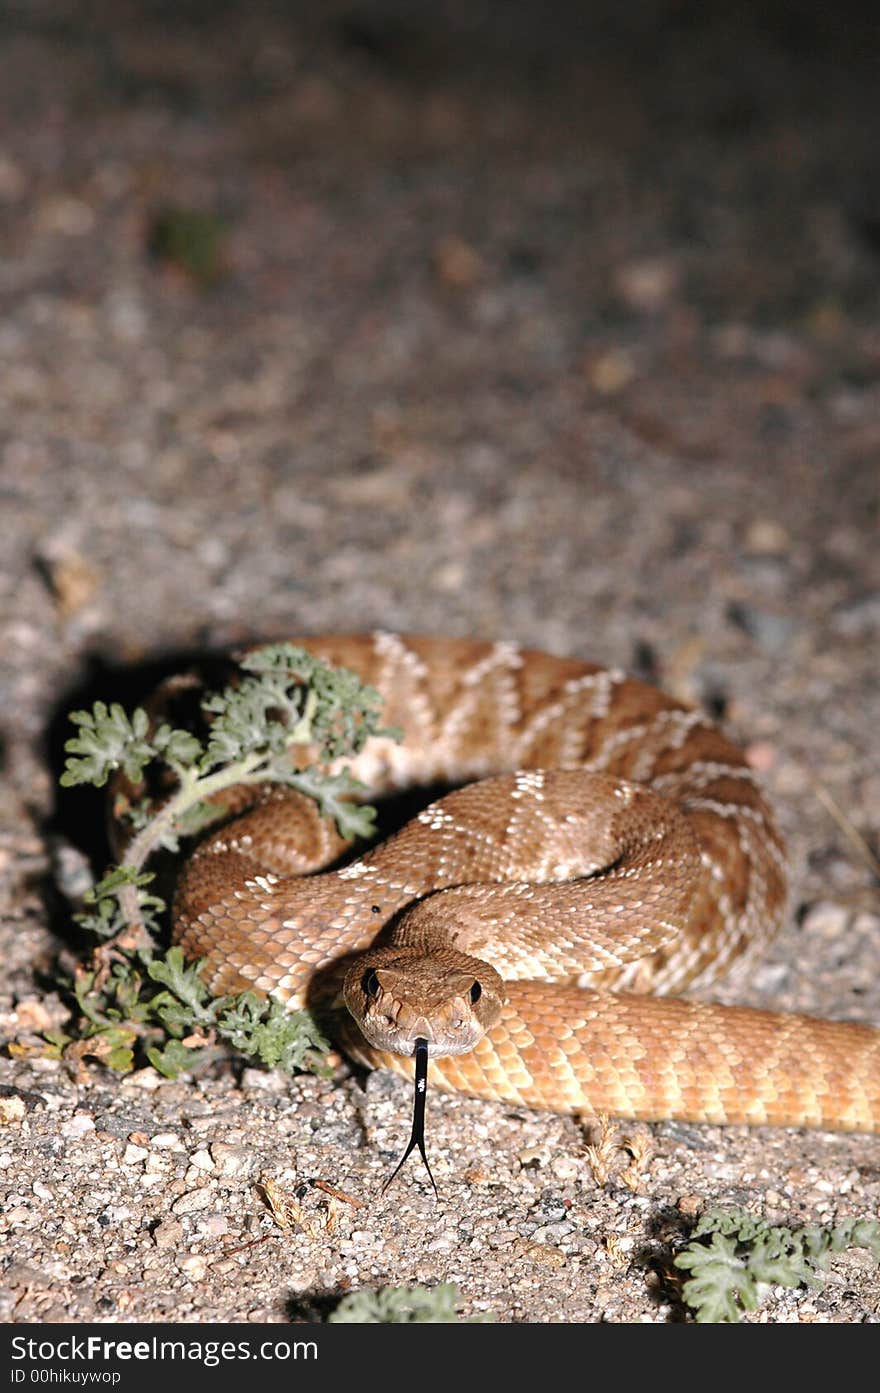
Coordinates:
(567,334)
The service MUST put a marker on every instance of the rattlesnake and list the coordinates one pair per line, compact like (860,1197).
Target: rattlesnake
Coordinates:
(609,846)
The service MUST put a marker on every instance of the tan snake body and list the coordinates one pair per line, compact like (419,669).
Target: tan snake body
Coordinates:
(615,847)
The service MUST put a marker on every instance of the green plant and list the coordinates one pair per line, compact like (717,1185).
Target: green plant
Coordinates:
(735,1258)
(191,240)
(133,999)
(401,1306)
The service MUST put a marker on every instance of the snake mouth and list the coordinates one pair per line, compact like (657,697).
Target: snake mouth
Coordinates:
(438,1038)
(389,1025)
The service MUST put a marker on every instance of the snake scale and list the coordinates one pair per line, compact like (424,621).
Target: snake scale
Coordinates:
(604,847)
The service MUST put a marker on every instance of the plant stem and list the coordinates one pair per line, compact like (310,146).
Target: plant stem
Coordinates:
(193,789)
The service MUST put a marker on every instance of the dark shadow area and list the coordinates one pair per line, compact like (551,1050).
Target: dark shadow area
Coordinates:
(667,1230)
(81,812)
(81,815)
(725,65)
(312,1307)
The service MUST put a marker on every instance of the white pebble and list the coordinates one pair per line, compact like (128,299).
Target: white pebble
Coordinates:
(193,1200)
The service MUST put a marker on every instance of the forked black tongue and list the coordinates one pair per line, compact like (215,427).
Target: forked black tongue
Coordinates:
(417,1137)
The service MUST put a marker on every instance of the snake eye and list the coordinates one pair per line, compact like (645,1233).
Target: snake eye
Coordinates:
(476,992)
(370,983)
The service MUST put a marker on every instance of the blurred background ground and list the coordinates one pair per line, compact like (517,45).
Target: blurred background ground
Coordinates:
(557,324)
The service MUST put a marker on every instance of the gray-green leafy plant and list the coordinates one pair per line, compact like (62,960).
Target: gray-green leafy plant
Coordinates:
(735,1259)
(132,998)
(401,1306)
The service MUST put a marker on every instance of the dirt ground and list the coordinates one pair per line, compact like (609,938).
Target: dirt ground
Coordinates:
(455,319)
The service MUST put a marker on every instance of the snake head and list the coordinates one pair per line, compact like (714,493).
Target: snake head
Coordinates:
(399,995)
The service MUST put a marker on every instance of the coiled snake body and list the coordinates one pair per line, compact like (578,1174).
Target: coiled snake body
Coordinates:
(615,848)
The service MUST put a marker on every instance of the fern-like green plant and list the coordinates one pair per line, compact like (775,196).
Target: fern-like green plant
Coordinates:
(401,1306)
(134,1000)
(735,1258)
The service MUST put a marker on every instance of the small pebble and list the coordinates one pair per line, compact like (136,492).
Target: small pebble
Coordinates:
(648,285)
(546,1255)
(611,372)
(767,538)
(12,1110)
(214,1225)
(231,1160)
(456,264)
(193,1200)
(167,1141)
(169,1233)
